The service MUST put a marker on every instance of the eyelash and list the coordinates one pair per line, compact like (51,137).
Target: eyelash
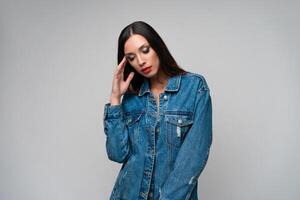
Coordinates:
(145,51)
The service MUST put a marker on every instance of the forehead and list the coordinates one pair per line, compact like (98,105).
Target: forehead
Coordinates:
(134,42)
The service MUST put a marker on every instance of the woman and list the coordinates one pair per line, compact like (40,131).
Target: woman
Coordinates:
(158,122)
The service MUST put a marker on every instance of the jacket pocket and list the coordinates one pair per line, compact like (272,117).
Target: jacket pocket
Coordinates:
(177,127)
(132,120)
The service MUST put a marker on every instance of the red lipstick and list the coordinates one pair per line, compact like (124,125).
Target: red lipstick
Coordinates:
(147,70)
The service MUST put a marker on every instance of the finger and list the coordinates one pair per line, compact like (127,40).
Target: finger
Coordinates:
(123,61)
(129,78)
(121,70)
(121,65)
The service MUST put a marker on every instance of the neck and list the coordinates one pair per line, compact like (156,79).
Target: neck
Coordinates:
(159,81)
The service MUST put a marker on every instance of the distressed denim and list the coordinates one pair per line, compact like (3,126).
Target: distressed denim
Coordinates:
(163,151)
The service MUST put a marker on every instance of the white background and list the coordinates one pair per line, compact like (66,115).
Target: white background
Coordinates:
(57,59)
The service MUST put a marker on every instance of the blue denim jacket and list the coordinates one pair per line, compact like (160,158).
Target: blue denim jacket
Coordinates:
(163,150)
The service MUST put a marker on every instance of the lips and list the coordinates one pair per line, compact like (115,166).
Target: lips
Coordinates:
(146,69)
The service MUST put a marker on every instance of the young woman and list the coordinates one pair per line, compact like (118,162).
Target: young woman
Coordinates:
(158,122)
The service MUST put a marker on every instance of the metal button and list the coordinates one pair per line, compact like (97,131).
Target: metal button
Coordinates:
(179,121)
(165,97)
(152,151)
(147,173)
(150,194)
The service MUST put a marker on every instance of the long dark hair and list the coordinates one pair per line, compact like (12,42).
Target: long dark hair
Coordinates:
(167,62)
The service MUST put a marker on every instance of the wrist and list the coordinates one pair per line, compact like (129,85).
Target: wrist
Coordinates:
(115,100)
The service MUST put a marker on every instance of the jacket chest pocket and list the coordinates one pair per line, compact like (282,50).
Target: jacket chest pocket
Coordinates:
(177,127)
(132,120)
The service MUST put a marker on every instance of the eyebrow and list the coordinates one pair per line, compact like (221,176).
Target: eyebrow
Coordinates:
(143,45)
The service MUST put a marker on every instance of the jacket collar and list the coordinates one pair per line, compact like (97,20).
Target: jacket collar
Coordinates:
(172,85)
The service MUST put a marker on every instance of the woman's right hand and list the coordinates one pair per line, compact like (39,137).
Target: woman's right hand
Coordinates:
(119,86)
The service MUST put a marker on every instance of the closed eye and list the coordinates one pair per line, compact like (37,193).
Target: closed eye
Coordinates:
(130,58)
(144,49)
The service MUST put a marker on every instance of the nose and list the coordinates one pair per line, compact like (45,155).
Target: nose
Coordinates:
(141,62)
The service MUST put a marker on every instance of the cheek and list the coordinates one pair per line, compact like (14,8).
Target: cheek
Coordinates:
(153,57)
(155,60)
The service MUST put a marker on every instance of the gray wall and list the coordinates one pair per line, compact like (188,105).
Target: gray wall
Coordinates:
(57,58)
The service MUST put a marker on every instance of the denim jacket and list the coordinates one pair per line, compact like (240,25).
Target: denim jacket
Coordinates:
(163,149)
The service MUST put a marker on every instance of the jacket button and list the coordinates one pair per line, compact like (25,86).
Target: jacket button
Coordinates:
(165,97)
(150,194)
(179,121)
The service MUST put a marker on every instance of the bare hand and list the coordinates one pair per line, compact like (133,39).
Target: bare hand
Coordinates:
(119,86)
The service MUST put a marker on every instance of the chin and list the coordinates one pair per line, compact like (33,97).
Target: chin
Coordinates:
(150,75)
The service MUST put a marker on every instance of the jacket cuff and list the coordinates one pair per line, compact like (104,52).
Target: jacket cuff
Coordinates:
(113,111)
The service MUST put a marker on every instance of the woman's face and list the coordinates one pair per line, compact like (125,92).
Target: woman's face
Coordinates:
(141,56)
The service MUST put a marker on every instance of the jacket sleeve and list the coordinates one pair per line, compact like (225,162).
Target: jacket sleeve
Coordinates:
(193,153)
(115,129)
